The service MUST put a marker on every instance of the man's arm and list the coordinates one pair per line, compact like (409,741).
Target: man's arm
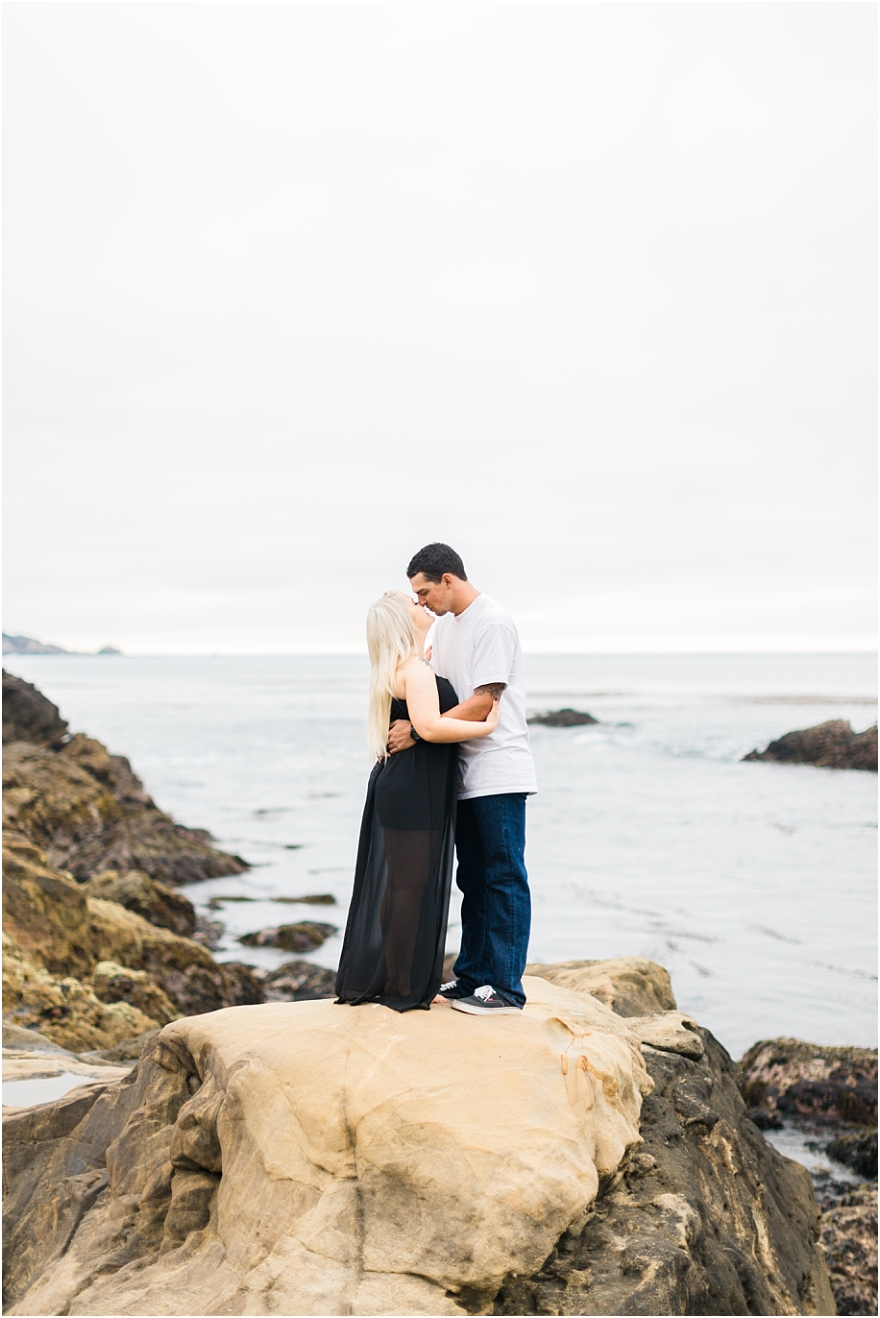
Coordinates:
(478,705)
(475,709)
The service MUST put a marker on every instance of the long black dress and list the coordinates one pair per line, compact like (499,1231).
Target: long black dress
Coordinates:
(396,930)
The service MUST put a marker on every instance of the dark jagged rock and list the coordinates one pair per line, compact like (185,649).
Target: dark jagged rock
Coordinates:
(28,715)
(563,718)
(302,937)
(674,1235)
(831,745)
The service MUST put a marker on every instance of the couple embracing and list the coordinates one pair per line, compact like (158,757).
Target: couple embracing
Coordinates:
(453,770)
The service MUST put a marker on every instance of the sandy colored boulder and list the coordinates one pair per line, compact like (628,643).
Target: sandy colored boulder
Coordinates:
(629,985)
(314,1158)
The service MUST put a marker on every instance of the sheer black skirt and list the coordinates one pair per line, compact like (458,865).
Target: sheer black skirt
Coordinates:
(396,930)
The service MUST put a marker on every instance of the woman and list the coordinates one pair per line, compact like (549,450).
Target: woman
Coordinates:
(396,930)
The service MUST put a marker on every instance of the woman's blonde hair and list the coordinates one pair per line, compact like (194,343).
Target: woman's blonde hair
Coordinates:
(392,638)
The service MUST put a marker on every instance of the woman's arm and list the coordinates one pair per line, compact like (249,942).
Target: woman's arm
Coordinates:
(420,692)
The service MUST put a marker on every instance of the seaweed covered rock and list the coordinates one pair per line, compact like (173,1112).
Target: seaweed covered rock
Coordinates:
(828,1084)
(848,1234)
(56,936)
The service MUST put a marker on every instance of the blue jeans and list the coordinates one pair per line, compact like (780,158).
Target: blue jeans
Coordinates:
(496,913)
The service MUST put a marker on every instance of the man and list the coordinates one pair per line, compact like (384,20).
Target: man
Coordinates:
(476,646)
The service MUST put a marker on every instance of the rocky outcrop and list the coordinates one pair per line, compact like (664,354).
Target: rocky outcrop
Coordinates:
(28,715)
(315,1158)
(563,718)
(59,942)
(89,813)
(831,745)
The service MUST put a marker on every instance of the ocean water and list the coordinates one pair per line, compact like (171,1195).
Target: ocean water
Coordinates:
(754,884)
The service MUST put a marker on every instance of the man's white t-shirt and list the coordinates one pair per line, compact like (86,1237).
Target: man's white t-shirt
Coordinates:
(480,646)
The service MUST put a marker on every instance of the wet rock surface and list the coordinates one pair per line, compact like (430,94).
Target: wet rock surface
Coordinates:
(563,718)
(831,745)
(302,937)
(848,1235)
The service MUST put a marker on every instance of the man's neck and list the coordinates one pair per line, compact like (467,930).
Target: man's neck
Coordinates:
(465,599)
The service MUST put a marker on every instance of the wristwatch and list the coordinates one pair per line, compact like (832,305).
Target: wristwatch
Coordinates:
(412,732)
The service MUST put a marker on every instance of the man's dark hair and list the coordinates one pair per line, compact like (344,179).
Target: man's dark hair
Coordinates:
(434,560)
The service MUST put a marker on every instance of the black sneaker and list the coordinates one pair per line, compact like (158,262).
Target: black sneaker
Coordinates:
(486,1002)
(452,990)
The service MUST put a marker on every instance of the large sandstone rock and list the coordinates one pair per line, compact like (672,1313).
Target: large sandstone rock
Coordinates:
(315,1158)
(28,715)
(324,1159)
(831,745)
(89,813)
(629,985)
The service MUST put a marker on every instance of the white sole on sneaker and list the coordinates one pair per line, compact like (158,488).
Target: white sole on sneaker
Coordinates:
(486,1011)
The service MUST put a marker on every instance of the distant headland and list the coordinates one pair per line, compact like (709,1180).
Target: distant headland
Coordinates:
(27,645)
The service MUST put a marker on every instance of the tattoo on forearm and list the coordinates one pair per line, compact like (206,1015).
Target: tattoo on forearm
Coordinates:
(492,689)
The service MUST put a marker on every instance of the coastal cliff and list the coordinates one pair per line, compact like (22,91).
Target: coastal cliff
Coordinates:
(95,940)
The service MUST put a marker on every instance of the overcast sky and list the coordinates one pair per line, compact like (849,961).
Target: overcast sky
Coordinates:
(587,290)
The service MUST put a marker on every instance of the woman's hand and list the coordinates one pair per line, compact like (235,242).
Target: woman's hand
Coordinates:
(494,715)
